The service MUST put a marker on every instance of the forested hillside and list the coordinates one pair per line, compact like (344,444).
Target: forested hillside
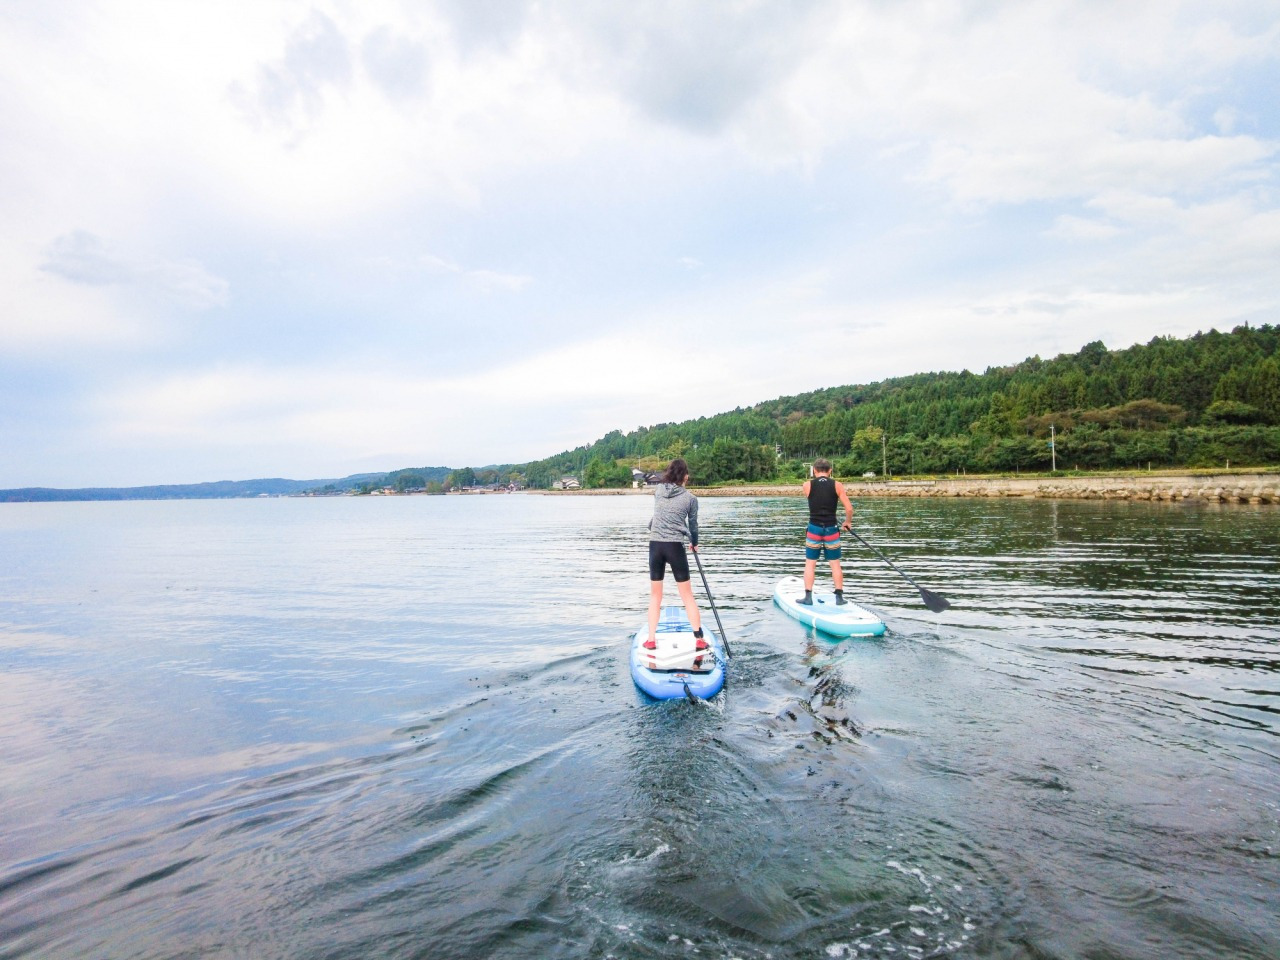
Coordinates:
(1203,401)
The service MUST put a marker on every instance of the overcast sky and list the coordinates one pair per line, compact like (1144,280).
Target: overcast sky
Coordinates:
(255,239)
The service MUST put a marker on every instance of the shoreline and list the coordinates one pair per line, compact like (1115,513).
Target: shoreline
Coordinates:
(1255,488)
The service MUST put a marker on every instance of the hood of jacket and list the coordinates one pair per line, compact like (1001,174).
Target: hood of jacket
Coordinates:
(670,490)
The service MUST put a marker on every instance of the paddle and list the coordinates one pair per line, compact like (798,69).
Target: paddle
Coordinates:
(935,602)
(701,573)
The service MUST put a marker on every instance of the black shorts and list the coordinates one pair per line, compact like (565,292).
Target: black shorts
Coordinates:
(662,552)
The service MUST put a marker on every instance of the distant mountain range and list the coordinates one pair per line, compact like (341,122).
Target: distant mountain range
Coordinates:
(229,489)
(219,490)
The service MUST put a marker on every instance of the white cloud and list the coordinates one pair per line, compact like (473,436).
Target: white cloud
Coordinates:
(41,315)
(81,257)
(1226,119)
(485,280)
(489,280)
(929,185)
(353,411)
(360,108)
(288,92)
(439,265)
(1069,227)
(1012,103)
(78,294)
(395,63)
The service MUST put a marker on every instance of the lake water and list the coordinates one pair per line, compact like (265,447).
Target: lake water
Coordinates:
(404,727)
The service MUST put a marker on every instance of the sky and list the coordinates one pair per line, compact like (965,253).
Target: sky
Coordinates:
(304,240)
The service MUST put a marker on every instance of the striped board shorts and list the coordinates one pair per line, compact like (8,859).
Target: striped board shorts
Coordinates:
(819,540)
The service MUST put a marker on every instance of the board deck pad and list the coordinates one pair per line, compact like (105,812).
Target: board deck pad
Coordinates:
(677,646)
(677,668)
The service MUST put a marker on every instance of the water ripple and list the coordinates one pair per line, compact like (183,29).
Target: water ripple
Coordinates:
(328,729)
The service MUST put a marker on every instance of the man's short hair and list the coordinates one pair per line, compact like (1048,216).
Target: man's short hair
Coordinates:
(822,465)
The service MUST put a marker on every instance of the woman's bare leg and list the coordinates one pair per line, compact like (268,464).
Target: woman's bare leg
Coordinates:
(690,604)
(655,607)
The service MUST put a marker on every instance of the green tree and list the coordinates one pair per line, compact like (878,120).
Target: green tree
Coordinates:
(458,479)
(1264,388)
(955,454)
(999,419)
(539,475)
(593,477)
(1138,448)
(600,474)
(866,449)
(1232,411)
(409,480)
(1084,447)
(676,448)
(906,454)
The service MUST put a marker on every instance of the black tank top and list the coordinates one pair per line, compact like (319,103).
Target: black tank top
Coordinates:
(822,501)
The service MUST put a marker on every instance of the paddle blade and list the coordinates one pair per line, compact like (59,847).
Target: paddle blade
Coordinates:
(935,602)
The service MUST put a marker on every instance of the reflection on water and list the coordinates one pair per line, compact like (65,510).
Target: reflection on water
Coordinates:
(404,727)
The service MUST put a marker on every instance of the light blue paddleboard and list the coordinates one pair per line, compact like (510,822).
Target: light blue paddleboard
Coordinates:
(669,672)
(849,620)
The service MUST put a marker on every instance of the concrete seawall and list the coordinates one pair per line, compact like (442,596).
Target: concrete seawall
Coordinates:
(1209,488)
(1216,488)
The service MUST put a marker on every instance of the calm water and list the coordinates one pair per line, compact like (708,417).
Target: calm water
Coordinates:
(403,727)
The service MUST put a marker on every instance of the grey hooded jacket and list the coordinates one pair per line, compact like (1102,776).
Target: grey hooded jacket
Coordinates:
(675,514)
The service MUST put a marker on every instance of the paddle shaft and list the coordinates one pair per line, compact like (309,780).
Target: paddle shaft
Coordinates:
(702,573)
(934,601)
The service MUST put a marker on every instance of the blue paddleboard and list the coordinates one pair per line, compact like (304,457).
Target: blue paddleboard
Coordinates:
(671,671)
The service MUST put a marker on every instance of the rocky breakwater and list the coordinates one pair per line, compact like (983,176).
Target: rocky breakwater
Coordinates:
(1218,488)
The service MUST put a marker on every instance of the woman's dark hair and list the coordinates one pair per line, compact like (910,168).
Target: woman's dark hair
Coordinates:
(677,472)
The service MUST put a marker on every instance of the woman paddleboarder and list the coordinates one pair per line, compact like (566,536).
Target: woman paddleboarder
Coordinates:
(675,516)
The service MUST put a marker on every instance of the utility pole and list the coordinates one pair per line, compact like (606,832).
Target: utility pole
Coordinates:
(884,456)
(1053,446)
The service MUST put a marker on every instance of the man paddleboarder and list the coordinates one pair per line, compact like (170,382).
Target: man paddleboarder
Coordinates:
(823,535)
